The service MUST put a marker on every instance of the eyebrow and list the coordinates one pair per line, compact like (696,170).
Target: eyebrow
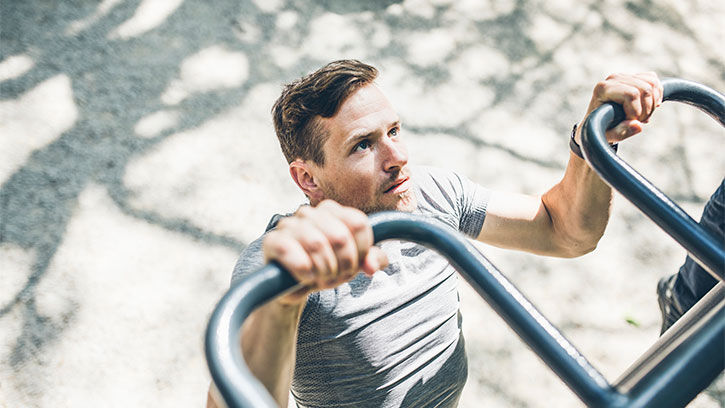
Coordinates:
(355,138)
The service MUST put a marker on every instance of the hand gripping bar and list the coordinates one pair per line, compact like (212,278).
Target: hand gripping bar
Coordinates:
(642,193)
(687,351)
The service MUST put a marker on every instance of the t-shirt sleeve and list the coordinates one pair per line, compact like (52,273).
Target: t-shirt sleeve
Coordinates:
(473,202)
(445,191)
(251,259)
(473,205)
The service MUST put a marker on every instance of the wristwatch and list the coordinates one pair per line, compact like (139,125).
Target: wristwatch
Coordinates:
(574,146)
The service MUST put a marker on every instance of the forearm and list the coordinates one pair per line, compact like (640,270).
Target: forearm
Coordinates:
(579,207)
(570,218)
(269,341)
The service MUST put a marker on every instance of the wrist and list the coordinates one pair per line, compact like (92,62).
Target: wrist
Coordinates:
(292,301)
(274,316)
(575,142)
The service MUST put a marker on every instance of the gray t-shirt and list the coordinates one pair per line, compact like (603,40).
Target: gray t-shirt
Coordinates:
(393,339)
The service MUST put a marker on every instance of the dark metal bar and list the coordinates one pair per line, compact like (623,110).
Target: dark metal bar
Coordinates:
(671,373)
(232,379)
(533,328)
(240,389)
(685,360)
(643,194)
(690,355)
(708,100)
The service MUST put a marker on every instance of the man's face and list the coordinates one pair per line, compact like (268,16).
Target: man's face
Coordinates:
(365,157)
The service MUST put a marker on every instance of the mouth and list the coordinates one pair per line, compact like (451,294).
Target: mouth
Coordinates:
(399,186)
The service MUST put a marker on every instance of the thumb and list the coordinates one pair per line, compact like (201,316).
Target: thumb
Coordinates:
(623,130)
(374,261)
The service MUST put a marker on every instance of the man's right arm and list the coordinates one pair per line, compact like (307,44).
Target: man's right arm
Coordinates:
(321,247)
(270,336)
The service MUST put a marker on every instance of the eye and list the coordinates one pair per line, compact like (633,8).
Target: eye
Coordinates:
(394,132)
(364,144)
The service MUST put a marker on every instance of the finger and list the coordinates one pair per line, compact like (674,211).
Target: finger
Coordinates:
(340,240)
(657,88)
(628,96)
(646,90)
(288,252)
(319,250)
(647,100)
(357,222)
(374,261)
(623,130)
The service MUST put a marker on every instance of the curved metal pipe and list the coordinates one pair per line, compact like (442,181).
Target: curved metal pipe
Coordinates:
(641,385)
(239,388)
(684,361)
(640,191)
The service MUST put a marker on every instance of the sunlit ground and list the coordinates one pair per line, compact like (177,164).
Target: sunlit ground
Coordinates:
(137,159)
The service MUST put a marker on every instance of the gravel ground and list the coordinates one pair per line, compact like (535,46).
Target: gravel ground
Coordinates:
(137,159)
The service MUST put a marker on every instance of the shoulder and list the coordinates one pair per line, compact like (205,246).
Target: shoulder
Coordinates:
(453,198)
(252,257)
(430,179)
(427,174)
(439,184)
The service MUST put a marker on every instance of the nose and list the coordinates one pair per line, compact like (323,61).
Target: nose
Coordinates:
(395,155)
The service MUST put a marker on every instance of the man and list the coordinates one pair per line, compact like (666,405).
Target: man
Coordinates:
(677,293)
(392,336)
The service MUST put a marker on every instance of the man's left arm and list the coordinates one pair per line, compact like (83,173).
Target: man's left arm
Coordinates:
(569,219)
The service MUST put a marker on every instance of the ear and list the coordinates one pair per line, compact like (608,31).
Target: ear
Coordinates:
(303,175)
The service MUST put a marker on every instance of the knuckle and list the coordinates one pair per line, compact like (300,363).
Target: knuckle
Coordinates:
(337,240)
(631,95)
(346,263)
(357,221)
(270,236)
(275,250)
(285,223)
(302,270)
(305,265)
(304,211)
(328,204)
(313,243)
(601,86)
(272,241)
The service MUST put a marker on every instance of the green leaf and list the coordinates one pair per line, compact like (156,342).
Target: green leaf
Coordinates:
(631,321)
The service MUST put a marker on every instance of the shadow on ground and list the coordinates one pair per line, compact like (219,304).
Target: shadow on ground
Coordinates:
(132,79)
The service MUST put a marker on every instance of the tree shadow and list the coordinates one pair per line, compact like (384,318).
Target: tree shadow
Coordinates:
(116,83)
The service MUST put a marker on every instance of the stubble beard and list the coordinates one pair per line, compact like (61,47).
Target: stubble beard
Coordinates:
(406,202)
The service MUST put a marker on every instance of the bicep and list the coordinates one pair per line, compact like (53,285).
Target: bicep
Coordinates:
(517,221)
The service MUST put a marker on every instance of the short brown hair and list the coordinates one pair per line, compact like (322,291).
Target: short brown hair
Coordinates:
(320,93)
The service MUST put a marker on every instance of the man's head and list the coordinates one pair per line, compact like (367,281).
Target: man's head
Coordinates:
(317,95)
(341,138)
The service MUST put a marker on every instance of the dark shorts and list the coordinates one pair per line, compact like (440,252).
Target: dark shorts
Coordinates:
(694,282)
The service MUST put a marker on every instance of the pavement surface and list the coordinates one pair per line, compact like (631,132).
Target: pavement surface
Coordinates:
(137,159)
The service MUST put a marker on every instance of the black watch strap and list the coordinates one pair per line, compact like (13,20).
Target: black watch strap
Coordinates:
(577,150)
